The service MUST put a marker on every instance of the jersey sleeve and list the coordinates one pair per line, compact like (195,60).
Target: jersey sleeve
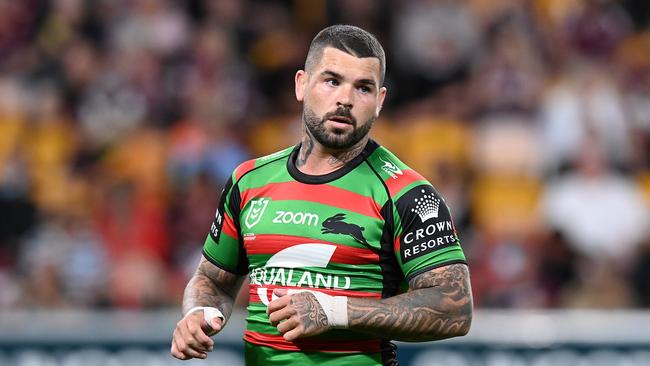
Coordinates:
(425,235)
(223,245)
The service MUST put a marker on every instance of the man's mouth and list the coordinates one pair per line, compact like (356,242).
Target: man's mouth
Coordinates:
(341,119)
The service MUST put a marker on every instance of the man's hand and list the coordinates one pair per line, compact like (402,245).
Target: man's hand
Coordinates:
(192,336)
(297,315)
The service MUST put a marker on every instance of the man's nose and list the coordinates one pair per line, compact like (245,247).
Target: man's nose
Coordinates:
(345,97)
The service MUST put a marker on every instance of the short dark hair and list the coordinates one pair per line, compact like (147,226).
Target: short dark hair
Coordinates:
(349,39)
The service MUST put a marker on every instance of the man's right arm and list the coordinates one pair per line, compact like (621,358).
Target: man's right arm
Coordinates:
(210,286)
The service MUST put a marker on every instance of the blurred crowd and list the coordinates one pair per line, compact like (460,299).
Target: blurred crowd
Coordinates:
(121,119)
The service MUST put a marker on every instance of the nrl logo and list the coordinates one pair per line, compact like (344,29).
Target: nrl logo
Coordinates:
(255,211)
(392,169)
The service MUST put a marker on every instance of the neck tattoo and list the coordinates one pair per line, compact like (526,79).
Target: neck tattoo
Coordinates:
(343,157)
(306,148)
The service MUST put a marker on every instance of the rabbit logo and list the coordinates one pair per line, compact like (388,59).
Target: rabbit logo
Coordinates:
(336,225)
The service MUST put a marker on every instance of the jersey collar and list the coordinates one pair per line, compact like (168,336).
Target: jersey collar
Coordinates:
(332,176)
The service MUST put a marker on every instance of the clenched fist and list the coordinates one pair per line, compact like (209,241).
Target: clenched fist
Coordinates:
(192,336)
(297,315)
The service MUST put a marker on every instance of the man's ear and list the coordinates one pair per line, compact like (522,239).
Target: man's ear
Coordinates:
(301,82)
(382,97)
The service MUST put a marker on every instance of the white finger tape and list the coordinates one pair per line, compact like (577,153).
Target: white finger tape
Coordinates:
(209,312)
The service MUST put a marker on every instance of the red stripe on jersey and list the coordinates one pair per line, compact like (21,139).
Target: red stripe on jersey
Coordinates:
(397,245)
(307,344)
(229,226)
(322,193)
(243,168)
(273,243)
(396,184)
(254,295)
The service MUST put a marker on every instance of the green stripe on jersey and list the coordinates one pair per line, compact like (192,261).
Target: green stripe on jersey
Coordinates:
(226,253)
(451,254)
(363,181)
(269,172)
(274,156)
(259,355)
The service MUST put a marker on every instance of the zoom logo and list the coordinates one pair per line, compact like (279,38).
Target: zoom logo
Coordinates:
(297,218)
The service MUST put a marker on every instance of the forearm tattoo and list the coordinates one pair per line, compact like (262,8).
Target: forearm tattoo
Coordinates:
(211,286)
(438,306)
(311,313)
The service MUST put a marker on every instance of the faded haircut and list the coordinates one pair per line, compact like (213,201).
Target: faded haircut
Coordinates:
(349,39)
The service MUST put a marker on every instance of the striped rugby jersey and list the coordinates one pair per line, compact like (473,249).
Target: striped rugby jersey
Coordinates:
(361,231)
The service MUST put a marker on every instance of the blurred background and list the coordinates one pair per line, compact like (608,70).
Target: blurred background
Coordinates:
(120,121)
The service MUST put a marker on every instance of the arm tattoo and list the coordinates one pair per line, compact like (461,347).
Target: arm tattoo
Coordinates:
(211,286)
(438,306)
(311,313)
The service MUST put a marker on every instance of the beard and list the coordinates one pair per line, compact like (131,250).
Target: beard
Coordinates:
(336,139)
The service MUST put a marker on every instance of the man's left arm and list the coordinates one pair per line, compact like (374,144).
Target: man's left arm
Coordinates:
(438,306)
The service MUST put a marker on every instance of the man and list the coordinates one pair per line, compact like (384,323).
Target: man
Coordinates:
(330,232)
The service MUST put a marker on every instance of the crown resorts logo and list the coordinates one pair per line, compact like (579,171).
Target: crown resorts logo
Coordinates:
(427,206)
(390,168)
(255,211)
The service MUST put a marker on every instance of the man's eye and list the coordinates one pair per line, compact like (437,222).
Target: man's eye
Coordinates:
(332,82)
(365,89)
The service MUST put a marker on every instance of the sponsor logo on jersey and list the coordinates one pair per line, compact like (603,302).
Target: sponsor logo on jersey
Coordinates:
(298,218)
(256,211)
(390,168)
(218,217)
(429,230)
(216,225)
(422,240)
(428,226)
(427,246)
(426,206)
(336,225)
(279,270)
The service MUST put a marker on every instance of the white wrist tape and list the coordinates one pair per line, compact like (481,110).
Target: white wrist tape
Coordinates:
(335,307)
(209,312)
